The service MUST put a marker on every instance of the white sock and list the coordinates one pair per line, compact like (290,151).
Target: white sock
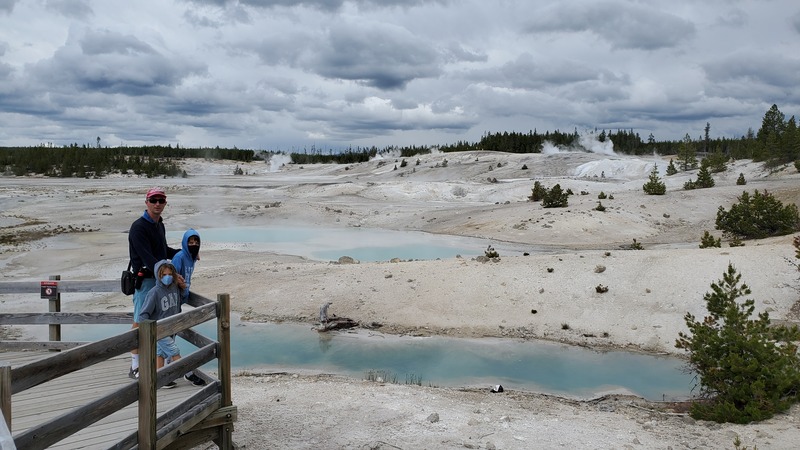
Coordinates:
(134,360)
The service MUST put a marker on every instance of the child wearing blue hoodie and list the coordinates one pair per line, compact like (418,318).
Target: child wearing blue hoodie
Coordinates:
(184,262)
(185,259)
(163,301)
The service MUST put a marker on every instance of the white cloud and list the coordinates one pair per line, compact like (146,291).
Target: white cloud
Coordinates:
(286,74)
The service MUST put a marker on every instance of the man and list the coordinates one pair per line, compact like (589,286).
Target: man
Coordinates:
(147,245)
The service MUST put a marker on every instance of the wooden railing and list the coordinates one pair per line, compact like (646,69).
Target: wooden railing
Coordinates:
(208,415)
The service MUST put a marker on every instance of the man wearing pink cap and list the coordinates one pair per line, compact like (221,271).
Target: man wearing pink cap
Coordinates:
(147,245)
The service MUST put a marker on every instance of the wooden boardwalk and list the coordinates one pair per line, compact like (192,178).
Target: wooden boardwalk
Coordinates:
(51,399)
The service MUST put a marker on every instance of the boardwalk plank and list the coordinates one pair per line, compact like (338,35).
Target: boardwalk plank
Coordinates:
(51,399)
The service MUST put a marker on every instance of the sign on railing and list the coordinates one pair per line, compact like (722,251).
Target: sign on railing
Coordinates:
(49,290)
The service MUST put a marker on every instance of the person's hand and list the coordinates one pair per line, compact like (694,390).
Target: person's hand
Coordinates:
(181,281)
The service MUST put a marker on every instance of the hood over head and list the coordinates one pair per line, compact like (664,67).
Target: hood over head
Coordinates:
(185,242)
(157,268)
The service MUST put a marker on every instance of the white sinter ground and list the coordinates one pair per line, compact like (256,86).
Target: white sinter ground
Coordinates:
(475,194)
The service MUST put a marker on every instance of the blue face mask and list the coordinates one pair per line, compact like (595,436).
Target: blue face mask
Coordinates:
(166,279)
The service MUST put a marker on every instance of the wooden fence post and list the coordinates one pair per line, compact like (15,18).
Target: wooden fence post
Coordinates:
(147,384)
(224,361)
(55,306)
(5,392)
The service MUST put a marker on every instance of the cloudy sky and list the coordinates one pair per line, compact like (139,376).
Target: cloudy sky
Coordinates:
(286,75)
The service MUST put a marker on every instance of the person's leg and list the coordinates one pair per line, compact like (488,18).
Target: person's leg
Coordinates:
(139,296)
(167,351)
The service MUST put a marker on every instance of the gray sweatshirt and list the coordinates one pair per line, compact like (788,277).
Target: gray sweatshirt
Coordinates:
(161,301)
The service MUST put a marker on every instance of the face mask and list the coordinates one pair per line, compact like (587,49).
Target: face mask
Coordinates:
(194,250)
(166,279)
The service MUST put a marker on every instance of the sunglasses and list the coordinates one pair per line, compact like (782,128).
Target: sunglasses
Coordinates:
(157,200)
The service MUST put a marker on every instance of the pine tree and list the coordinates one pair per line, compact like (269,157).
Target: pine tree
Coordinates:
(687,155)
(748,369)
(671,170)
(708,241)
(741,181)
(704,179)
(538,192)
(758,217)
(655,186)
(555,198)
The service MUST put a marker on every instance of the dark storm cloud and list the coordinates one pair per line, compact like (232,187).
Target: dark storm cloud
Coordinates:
(7,6)
(527,73)
(106,61)
(623,25)
(204,100)
(761,68)
(381,56)
(369,72)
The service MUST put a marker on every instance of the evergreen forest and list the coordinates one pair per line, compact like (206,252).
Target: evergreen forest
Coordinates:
(776,142)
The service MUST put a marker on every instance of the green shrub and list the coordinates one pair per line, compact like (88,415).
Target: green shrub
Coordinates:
(796,243)
(689,185)
(736,242)
(704,179)
(600,206)
(716,162)
(601,195)
(741,181)
(671,169)
(654,186)
(555,198)
(708,241)
(748,370)
(538,192)
(759,216)
(636,245)
(797,165)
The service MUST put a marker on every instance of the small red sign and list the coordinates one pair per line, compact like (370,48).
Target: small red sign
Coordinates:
(49,289)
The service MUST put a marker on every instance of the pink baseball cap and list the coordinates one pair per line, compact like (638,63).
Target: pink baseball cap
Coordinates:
(156,191)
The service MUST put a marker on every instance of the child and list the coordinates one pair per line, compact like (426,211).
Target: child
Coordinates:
(185,259)
(184,262)
(162,301)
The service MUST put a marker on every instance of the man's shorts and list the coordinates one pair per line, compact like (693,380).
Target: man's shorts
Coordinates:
(167,347)
(140,295)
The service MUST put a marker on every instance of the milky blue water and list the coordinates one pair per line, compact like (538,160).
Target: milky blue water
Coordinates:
(439,361)
(363,244)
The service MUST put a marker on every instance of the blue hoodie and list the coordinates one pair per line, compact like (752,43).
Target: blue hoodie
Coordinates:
(184,261)
(163,300)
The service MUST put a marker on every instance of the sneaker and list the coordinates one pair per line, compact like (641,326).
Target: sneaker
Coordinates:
(170,385)
(195,380)
(134,373)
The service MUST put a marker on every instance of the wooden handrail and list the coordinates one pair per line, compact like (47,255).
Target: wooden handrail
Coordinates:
(188,422)
(65,318)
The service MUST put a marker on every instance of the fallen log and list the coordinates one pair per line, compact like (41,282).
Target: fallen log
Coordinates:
(337,323)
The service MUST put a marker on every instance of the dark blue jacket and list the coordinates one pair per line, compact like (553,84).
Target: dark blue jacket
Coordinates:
(147,244)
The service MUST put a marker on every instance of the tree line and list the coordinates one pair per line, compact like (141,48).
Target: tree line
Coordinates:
(776,142)
(84,161)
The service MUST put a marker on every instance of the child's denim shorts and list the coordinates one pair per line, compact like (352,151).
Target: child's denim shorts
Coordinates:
(167,348)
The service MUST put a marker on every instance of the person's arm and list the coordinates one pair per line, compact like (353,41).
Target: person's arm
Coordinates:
(179,262)
(149,306)
(140,243)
